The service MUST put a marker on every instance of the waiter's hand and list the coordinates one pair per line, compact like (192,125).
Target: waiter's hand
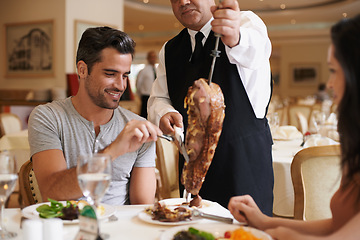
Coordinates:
(169,120)
(227,22)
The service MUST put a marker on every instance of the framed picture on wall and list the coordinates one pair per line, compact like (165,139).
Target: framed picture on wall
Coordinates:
(305,74)
(29,49)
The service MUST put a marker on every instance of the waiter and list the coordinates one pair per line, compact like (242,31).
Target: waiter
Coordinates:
(242,163)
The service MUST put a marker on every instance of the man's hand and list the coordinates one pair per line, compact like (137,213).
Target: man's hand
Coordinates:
(134,134)
(169,120)
(227,22)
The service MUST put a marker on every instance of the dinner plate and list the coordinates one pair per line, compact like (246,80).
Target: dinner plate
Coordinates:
(172,203)
(147,218)
(176,202)
(216,229)
(31,213)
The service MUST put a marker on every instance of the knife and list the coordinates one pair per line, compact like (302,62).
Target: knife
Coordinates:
(197,213)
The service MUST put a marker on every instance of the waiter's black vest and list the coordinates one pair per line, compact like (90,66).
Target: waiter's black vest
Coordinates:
(240,123)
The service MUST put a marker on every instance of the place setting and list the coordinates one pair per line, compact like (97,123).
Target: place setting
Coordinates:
(94,175)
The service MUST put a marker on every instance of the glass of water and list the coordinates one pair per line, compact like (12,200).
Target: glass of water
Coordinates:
(94,176)
(8,177)
(274,121)
(319,120)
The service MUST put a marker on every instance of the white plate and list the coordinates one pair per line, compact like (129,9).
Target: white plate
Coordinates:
(31,213)
(216,229)
(173,203)
(176,202)
(147,218)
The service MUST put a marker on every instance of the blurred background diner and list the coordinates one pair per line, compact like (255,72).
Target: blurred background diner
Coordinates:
(37,66)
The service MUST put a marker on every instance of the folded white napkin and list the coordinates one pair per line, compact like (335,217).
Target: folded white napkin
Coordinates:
(332,119)
(317,140)
(287,133)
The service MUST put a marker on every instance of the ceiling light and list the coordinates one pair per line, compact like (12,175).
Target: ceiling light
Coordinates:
(344,14)
(282,6)
(146,1)
(141,27)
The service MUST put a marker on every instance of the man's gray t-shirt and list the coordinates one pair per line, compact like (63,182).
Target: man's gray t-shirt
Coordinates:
(58,125)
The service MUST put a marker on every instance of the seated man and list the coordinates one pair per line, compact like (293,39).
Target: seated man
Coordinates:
(91,122)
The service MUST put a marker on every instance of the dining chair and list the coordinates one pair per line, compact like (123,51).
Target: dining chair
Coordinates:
(29,189)
(293,109)
(9,123)
(303,122)
(167,157)
(316,175)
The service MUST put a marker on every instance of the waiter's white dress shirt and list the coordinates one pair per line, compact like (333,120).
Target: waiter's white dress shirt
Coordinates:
(145,80)
(251,57)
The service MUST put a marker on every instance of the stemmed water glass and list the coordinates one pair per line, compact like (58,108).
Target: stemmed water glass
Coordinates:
(319,119)
(274,121)
(8,177)
(94,175)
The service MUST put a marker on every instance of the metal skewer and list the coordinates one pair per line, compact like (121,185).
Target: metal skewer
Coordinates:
(214,53)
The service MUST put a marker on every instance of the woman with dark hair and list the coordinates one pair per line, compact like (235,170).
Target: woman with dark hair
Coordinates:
(344,81)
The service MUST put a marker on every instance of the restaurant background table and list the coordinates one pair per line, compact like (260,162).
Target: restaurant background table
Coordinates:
(283,154)
(16,143)
(128,226)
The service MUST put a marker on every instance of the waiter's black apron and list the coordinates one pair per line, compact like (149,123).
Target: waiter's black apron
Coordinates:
(242,163)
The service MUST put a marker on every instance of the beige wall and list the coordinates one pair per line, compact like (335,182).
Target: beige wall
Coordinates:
(63,13)
(104,12)
(291,49)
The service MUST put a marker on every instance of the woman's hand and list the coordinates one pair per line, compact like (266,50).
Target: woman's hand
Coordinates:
(244,209)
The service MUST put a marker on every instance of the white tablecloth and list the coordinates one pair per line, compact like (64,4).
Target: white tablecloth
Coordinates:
(16,140)
(283,153)
(128,226)
(16,143)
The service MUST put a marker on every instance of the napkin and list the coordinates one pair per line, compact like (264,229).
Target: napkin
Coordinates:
(287,133)
(332,119)
(317,140)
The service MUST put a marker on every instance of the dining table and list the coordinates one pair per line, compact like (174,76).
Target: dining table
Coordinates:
(125,225)
(17,144)
(283,152)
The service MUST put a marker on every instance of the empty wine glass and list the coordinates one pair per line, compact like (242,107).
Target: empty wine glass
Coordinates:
(319,120)
(94,175)
(8,177)
(274,121)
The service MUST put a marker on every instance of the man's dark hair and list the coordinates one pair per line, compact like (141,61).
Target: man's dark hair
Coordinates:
(94,40)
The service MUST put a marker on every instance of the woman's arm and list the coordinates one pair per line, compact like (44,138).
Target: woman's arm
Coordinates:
(244,209)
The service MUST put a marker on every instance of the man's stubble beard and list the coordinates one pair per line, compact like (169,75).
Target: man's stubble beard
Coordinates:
(97,98)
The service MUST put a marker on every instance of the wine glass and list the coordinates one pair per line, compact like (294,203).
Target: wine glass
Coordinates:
(8,177)
(94,175)
(319,120)
(274,121)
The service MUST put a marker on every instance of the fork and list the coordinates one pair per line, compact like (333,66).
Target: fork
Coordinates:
(167,137)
